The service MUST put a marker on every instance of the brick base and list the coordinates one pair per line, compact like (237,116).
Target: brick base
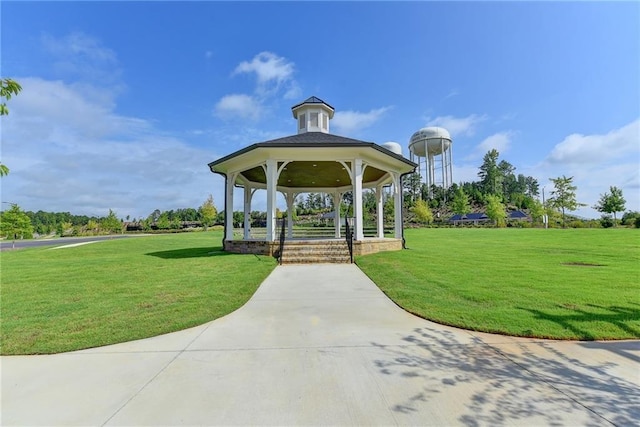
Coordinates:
(261,247)
(372,246)
(257,247)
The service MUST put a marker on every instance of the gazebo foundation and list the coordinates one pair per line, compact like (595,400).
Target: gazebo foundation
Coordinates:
(360,247)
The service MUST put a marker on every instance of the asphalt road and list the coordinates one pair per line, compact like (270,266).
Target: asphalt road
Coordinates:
(20,244)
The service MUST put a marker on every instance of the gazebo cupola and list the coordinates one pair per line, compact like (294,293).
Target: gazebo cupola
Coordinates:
(313,115)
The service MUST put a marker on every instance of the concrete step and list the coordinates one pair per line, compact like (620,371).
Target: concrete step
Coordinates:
(310,251)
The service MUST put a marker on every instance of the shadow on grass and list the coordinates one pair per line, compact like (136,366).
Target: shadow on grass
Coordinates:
(523,382)
(189,253)
(616,315)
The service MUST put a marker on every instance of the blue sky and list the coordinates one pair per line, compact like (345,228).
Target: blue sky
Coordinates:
(125,103)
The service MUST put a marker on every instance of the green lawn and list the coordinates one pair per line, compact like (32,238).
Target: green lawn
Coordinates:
(569,284)
(120,290)
(577,284)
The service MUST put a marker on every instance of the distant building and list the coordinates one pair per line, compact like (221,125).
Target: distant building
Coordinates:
(477,218)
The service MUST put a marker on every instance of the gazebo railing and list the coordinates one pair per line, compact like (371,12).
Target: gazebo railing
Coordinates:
(283,223)
(348,234)
(304,230)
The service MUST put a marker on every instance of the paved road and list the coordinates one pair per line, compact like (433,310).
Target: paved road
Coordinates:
(19,244)
(321,345)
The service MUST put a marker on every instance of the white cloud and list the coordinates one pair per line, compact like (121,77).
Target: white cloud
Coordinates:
(349,122)
(273,73)
(592,149)
(238,105)
(293,92)
(499,141)
(274,77)
(596,162)
(464,173)
(457,125)
(268,67)
(81,56)
(70,152)
(452,93)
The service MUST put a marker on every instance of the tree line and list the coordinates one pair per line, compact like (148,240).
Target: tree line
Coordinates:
(17,224)
(499,190)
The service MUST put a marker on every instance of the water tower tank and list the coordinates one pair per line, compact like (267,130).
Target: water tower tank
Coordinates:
(394,147)
(430,148)
(431,140)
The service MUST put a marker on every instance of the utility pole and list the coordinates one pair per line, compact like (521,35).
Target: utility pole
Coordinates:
(545,217)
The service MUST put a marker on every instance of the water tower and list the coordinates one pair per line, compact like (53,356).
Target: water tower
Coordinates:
(430,148)
(394,147)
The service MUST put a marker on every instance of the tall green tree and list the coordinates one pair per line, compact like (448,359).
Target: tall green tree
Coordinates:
(15,224)
(533,188)
(611,202)
(490,175)
(496,210)
(208,212)
(412,186)
(563,196)
(8,88)
(460,204)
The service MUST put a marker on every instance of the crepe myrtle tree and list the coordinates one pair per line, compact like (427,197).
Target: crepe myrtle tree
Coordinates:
(611,202)
(208,213)
(15,224)
(423,214)
(496,210)
(460,204)
(563,196)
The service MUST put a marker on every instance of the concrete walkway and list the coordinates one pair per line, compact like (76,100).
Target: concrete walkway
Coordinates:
(321,345)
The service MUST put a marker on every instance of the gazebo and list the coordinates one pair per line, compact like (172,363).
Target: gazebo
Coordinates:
(313,160)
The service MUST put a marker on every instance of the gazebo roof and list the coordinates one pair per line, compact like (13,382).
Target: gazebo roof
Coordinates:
(312,100)
(313,160)
(310,140)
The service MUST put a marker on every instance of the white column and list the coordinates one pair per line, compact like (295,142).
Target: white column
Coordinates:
(397,198)
(358,171)
(228,214)
(247,212)
(380,211)
(272,178)
(290,197)
(337,199)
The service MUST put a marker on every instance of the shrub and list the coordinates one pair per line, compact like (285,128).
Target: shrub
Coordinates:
(629,218)
(606,221)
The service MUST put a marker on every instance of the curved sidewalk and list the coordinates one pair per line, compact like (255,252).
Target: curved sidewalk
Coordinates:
(322,345)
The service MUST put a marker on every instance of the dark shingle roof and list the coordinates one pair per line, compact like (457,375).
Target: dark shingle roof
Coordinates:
(480,216)
(312,139)
(517,215)
(475,216)
(312,100)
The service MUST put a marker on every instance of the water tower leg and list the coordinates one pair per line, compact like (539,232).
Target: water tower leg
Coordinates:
(443,164)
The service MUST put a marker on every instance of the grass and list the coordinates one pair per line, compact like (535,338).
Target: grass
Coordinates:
(120,290)
(562,284)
